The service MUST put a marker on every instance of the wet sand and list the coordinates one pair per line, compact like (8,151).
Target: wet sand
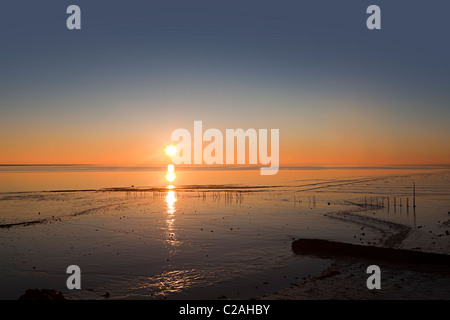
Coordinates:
(207,241)
(405,274)
(346,280)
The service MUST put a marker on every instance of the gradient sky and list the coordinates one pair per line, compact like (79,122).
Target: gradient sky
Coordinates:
(113,92)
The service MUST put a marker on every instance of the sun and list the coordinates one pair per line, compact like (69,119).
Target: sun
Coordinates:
(171,150)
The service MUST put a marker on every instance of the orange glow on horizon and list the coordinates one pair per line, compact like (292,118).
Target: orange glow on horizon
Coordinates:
(337,142)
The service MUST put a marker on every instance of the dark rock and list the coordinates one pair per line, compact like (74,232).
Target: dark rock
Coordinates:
(328,249)
(44,294)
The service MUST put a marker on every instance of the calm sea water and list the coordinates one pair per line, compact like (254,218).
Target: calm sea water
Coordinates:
(216,233)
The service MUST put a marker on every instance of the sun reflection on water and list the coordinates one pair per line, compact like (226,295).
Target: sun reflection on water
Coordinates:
(170,201)
(170,235)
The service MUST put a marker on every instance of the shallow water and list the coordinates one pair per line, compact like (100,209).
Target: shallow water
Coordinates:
(204,241)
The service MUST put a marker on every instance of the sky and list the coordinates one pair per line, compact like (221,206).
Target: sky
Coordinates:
(112,92)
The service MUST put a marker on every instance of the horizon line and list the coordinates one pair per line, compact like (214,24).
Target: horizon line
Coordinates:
(232,166)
